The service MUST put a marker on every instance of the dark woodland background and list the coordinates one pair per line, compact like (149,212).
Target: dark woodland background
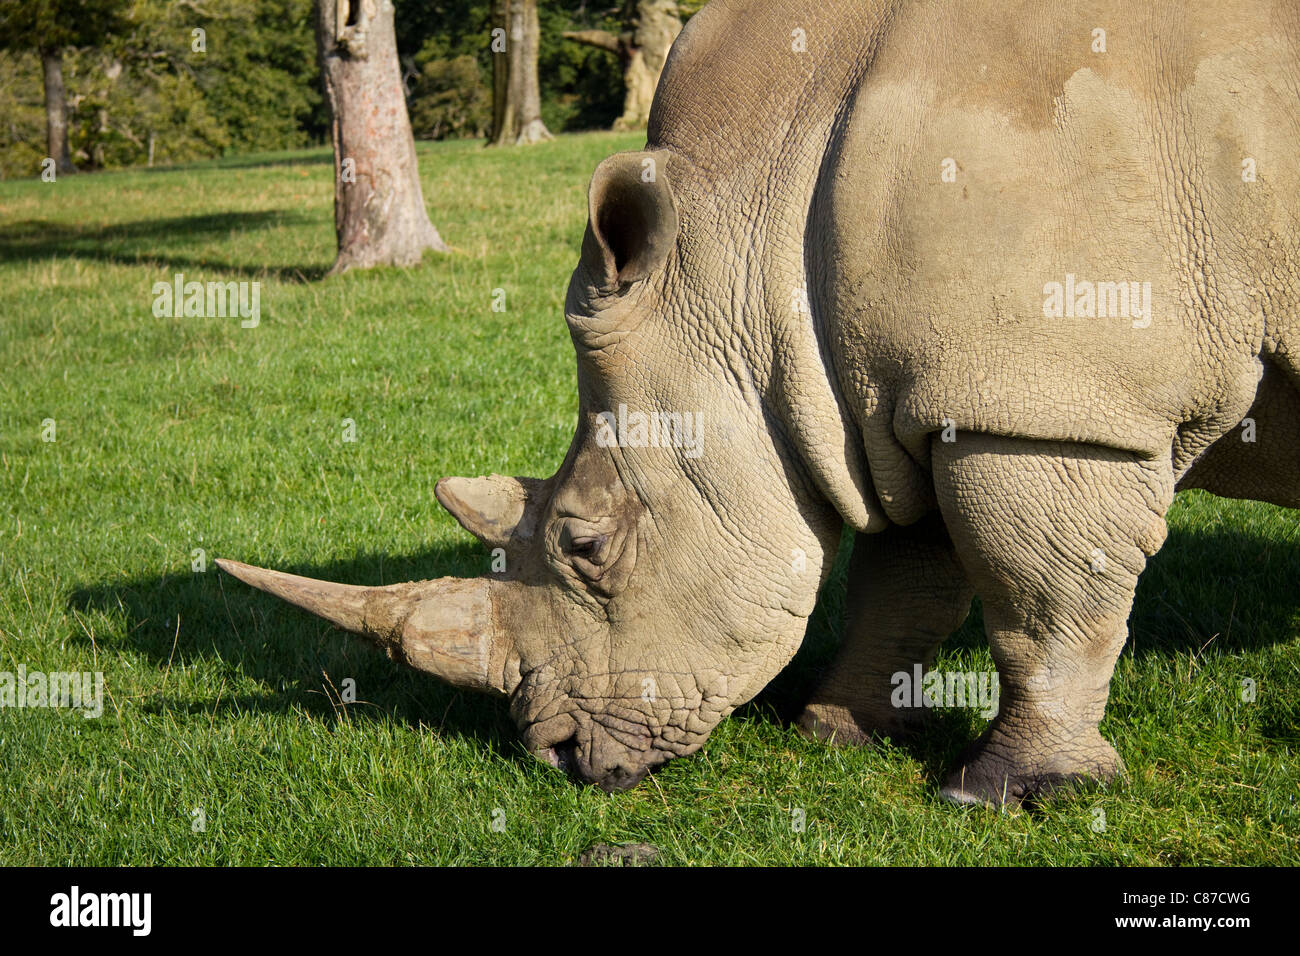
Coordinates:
(133,80)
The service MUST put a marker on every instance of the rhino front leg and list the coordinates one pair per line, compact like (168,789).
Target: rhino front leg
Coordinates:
(1053,536)
(906,594)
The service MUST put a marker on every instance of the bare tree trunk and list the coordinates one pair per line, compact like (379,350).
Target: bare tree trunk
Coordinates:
(112,70)
(651,26)
(503,56)
(56,111)
(379,212)
(516,90)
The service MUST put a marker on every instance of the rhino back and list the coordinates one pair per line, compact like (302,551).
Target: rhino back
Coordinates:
(1065,165)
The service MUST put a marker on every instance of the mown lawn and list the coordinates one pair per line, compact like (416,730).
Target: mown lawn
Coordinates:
(180,434)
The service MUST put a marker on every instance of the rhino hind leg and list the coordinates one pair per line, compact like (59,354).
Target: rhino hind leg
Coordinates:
(1259,462)
(906,594)
(1053,537)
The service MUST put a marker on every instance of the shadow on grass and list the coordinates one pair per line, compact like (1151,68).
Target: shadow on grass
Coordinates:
(300,659)
(154,242)
(255,161)
(1184,598)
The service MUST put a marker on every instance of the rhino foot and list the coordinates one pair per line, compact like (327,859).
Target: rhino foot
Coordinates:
(989,778)
(851,727)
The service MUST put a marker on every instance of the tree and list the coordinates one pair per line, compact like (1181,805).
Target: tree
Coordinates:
(22,117)
(650,27)
(379,212)
(50,27)
(516,91)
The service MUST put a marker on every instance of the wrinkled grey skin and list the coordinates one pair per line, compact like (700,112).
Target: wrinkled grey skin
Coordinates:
(867,345)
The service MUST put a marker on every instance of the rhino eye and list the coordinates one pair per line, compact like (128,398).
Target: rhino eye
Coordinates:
(590,548)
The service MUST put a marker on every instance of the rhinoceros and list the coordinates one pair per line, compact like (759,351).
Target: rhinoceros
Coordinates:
(985,281)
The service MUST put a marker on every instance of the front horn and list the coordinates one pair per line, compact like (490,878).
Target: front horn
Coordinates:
(443,627)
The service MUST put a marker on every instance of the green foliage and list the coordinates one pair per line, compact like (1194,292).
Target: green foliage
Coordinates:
(444,48)
(57,24)
(260,75)
(116,123)
(449,100)
(22,115)
(443,28)
(255,72)
(248,82)
(581,88)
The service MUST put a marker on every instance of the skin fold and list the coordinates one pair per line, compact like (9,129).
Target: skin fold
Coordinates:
(835,254)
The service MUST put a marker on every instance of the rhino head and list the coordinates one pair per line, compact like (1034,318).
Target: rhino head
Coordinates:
(663,576)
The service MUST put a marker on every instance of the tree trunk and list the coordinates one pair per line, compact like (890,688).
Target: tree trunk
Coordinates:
(56,111)
(379,213)
(655,28)
(651,26)
(516,91)
(112,70)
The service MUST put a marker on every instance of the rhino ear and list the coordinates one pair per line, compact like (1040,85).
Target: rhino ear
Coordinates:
(493,509)
(631,220)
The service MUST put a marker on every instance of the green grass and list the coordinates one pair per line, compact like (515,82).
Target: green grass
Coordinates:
(176,434)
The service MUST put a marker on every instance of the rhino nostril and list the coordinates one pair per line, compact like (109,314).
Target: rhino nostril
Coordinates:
(563,755)
(622,778)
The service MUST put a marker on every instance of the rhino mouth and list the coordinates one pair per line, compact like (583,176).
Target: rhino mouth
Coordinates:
(567,757)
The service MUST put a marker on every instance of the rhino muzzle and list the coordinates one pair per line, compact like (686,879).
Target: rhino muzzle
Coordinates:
(567,757)
(446,628)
